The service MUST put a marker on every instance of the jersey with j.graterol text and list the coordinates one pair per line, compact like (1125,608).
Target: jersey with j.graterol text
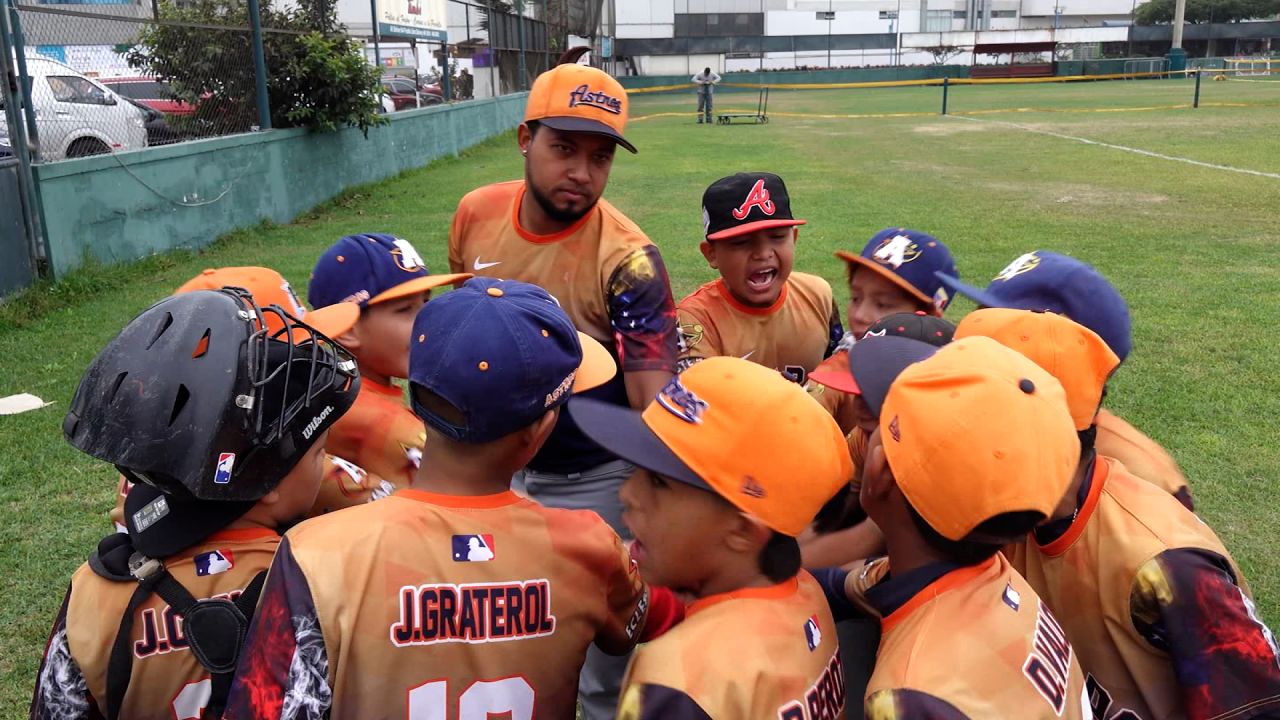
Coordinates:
(435,606)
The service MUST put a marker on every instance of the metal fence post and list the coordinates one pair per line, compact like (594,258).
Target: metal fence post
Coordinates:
(377,47)
(946,85)
(1196,102)
(524,72)
(259,66)
(20,52)
(15,95)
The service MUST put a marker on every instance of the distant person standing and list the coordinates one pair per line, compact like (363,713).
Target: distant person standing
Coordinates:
(706,82)
(466,84)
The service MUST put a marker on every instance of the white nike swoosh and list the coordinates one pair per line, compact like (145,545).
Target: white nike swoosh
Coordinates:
(753,352)
(482,265)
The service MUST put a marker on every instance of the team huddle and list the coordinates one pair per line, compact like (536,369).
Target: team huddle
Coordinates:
(554,492)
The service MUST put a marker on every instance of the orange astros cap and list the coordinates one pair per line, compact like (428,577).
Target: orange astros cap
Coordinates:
(1072,353)
(734,428)
(976,431)
(268,287)
(579,98)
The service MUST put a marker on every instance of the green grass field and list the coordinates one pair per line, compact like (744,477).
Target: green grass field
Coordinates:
(1192,248)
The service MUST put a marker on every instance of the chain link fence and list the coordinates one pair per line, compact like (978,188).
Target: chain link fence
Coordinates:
(115,76)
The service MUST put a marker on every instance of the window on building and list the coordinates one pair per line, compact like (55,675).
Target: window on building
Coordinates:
(719,24)
(937,20)
(888,14)
(1004,13)
(824,15)
(960,14)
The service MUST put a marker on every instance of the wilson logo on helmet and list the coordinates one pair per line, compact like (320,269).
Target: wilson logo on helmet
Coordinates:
(311,427)
(757,198)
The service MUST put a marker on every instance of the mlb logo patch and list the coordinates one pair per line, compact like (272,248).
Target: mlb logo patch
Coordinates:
(222,475)
(812,633)
(213,562)
(472,548)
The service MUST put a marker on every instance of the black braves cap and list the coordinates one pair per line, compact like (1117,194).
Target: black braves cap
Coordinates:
(916,326)
(746,202)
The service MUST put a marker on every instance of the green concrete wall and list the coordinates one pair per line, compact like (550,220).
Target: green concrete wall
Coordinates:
(116,208)
(808,77)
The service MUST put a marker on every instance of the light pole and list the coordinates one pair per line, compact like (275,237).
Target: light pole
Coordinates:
(831,18)
(897,43)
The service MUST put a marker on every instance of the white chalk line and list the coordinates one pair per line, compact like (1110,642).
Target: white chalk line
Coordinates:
(1136,151)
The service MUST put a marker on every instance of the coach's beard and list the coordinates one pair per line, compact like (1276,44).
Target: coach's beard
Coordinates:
(567,217)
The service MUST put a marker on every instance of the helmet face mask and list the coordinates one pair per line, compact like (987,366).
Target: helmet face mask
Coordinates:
(198,399)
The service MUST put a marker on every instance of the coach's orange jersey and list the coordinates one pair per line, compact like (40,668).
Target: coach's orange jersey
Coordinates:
(793,335)
(1141,455)
(975,642)
(167,681)
(424,605)
(380,434)
(1155,606)
(604,272)
(344,484)
(753,653)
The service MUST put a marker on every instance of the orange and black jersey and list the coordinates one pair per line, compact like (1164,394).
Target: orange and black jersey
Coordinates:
(1159,612)
(425,605)
(380,434)
(604,272)
(793,335)
(166,679)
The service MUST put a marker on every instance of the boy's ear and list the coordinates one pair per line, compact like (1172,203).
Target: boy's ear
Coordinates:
(747,535)
(708,249)
(877,479)
(351,339)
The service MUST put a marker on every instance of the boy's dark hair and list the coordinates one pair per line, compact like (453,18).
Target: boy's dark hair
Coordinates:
(780,558)
(840,512)
(1010,525)
(533,126)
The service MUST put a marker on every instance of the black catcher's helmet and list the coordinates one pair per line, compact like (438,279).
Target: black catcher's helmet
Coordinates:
(206,410)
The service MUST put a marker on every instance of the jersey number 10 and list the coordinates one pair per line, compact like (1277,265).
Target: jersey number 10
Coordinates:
(430,701)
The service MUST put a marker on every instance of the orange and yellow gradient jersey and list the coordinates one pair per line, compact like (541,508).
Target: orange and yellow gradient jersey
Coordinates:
(425,605)
(604,272)
(167,681)
(793,335)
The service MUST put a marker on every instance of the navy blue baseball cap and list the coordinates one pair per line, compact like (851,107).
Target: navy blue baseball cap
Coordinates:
(494,355)
(371,268)
(875,362)
(1043,280)
(909,259)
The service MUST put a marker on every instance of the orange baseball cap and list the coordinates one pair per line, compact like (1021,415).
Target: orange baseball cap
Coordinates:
(579,98)
(1075,355)
(269,287)
(733,428)
(975,431)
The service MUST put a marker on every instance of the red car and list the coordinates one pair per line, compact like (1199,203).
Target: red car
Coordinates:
(402,91)
(150,92)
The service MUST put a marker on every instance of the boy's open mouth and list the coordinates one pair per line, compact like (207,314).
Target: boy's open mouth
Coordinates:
(761,279)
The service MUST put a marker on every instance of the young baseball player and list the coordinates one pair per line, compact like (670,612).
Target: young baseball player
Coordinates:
(387,278)
(1152,601)
(715,510)
(345,483)
(974,447)
(221,428)
(555,229)
(1043,280)
(842,533)
(895,272)
(455,597)
(759,309)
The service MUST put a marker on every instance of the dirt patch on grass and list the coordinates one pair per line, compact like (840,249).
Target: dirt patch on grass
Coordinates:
(947,128)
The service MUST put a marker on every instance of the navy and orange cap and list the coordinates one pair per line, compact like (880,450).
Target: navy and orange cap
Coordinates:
(909,259)
(734,428)
(975,431)
(579,98)
(1043,280)
(372,268)
(744,203)
(501,353)
(1071,352)
(920,326)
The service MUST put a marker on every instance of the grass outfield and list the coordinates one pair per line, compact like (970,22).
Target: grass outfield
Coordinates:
(1191,247)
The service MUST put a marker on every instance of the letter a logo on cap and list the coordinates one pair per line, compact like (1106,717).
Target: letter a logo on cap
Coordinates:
(407,256)
(757,198)
(1023,263)
(896,250)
